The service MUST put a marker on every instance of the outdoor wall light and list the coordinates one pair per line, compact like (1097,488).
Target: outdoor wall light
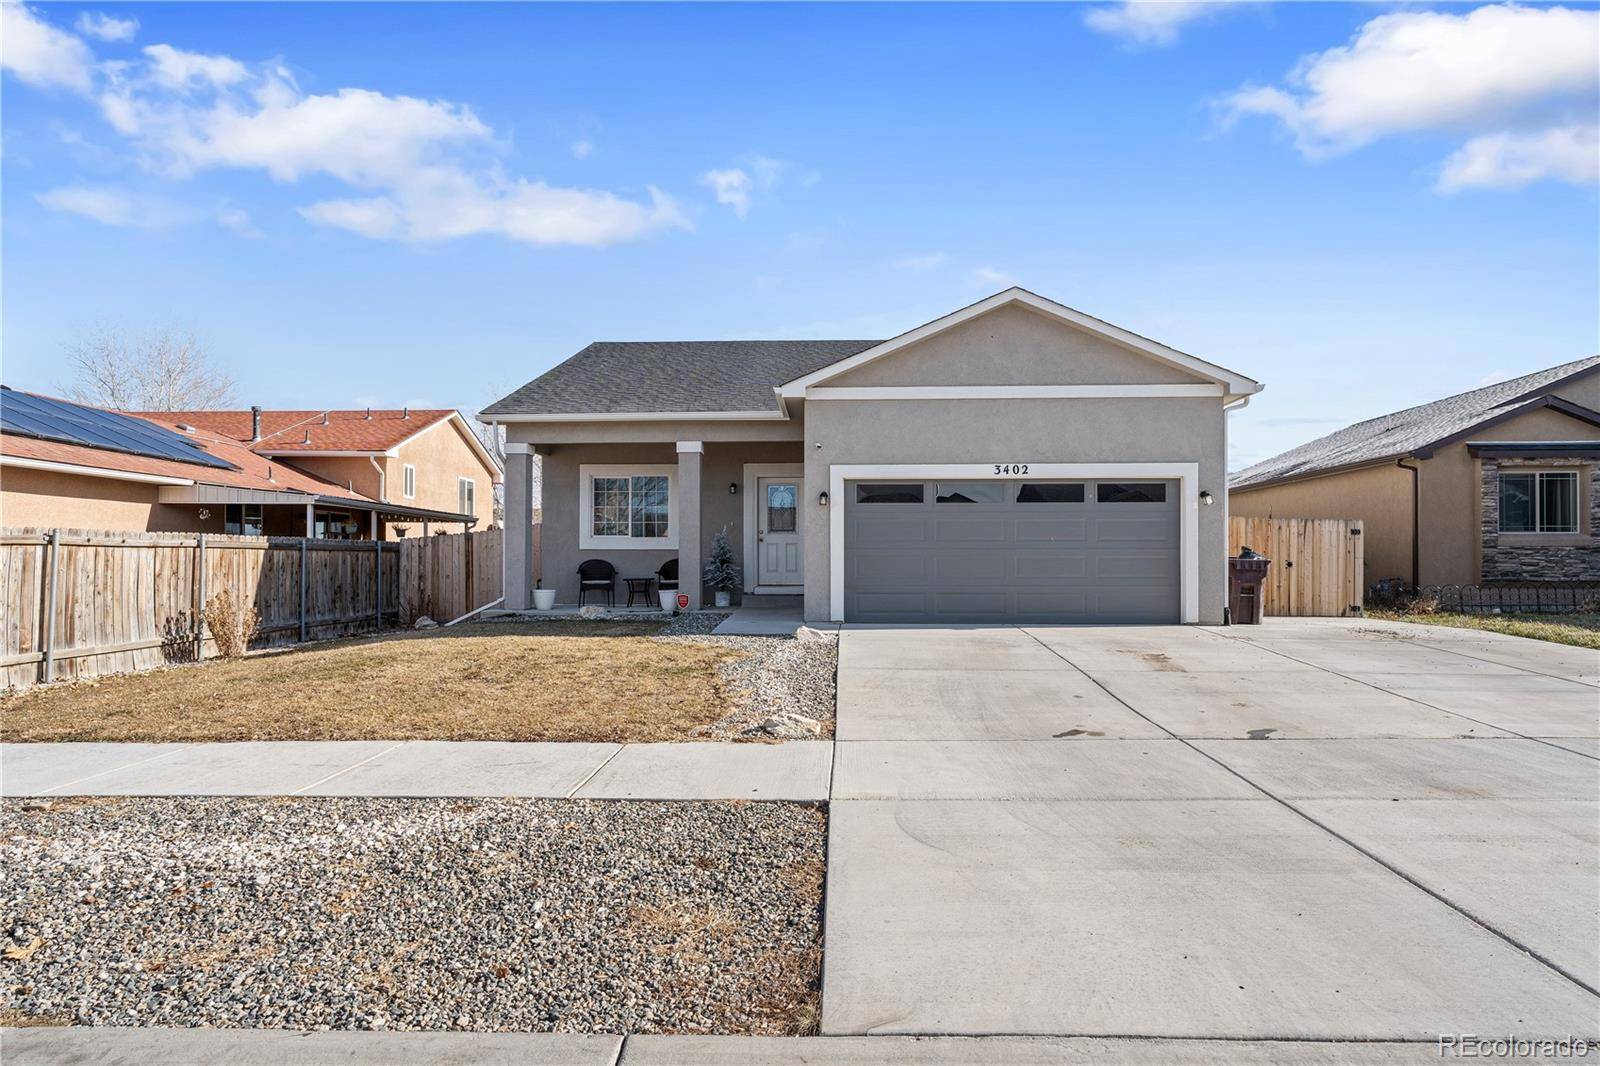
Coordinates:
(733,488)
(822,499)
(1205,499)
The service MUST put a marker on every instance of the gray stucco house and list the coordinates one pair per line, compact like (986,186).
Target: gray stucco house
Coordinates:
(1013,461)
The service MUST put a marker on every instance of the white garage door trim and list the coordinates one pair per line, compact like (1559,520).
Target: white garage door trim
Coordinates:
(1186,474)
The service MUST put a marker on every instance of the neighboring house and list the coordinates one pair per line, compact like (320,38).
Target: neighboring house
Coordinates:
(1498,484)
(424,460)
(72,466)
(1015,461)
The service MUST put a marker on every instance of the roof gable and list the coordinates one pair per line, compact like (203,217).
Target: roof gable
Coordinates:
(1232,383)
(1419,428)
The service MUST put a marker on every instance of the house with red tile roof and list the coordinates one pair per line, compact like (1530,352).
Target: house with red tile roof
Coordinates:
(336,474)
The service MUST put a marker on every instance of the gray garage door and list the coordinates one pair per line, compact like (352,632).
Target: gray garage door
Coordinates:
(1011,551)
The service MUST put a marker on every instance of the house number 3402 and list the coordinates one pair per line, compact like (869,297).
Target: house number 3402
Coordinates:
(1011,468)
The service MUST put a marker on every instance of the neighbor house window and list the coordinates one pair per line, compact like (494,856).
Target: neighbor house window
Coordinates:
(1131,492)
(871,492)
(1543,501)
(466,496)
(243,518)
(627,507)
(409,481)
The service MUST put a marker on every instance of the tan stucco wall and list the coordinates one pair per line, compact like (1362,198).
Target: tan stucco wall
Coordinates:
(1451,542)
(1013,345)
(1380,496)
(441,456)
(48,500)
(1017,431)
(1584,391)
(352,472)
(722,464)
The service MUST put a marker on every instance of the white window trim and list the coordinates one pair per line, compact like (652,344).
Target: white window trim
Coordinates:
(586,475)
(1538,529)
(460,481)
(1187,476)
(753,473)
(408,481)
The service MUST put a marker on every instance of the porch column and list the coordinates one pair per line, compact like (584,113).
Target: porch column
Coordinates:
(690,452)
(311,520)
(519,527)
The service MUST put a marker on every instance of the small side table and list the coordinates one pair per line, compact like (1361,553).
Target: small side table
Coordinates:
(639,586)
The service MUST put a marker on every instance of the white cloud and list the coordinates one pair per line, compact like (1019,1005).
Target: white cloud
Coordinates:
(108,206)
(239,221)
(1147,22)
(1512,160)
(989,277)
(921,263)
(582,149)
(41,55)
(1499,71)
(731,187)
(103,27)
(177,69)
(425,170)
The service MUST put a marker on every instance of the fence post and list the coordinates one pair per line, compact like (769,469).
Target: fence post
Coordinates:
(471,597)
(52,548)
(378,580)
(200,599)
(302,590)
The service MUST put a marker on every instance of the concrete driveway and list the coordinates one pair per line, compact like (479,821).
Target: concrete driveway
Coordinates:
(1312,829)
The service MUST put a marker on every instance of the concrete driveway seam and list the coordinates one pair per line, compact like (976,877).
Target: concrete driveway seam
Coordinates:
(593,774)
(1414,699)
(1458,908)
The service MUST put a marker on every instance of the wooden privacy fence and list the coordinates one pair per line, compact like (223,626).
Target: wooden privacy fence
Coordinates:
(1317,563)
(82,603)
(447,577)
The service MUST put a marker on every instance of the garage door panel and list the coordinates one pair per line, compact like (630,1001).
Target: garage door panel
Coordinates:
(1052,530)
(992,554)
(966,568)
(966,531)
(1029,567)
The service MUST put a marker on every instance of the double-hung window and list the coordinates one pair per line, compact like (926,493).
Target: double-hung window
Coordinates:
(409,481)
(1539,501)
(466,496)
(627,507)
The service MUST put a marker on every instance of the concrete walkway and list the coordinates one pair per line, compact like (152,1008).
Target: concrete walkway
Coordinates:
(766,616)
(797,770)
(1080,831)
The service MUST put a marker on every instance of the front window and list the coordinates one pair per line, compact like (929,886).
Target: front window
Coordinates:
(1543,501)
(625,507)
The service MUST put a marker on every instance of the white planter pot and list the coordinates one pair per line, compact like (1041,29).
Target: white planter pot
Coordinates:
(724,598)
(544,599)
(669,600)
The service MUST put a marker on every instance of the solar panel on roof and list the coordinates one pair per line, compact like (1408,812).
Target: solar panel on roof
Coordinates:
(28,415)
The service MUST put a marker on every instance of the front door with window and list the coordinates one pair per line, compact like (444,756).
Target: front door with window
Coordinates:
(778,554)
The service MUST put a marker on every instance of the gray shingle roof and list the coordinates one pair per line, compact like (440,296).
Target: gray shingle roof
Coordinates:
(615,377)
(1399,434)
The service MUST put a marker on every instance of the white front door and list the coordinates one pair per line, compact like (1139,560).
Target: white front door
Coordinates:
(778,555)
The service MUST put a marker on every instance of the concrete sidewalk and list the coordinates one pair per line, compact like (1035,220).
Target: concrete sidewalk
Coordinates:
(247,1047)
(797,770)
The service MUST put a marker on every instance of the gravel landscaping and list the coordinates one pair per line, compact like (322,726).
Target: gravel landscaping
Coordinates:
(511,915)
(784,685)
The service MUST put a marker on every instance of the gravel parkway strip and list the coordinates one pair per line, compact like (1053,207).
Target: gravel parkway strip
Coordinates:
(440,914)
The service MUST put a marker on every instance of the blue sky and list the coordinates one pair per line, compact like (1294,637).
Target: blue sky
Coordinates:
(430,204)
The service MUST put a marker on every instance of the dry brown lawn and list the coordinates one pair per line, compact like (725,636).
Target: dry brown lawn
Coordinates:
(590,681)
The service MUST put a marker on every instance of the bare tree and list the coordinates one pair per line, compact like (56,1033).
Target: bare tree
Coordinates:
(163,370)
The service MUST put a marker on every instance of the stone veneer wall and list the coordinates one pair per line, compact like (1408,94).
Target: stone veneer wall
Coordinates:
(1537,562)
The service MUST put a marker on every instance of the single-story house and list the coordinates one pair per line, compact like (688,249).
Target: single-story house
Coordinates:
(1013,461)
(1500,484)
(71,466)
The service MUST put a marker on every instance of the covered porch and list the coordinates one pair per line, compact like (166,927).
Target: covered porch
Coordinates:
(643,504)
(267,513)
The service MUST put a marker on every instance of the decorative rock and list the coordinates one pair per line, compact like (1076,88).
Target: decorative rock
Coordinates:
(591,611)
(425,623)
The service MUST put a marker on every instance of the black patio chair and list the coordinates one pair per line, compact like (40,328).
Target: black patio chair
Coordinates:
(667,576)
(597,575)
